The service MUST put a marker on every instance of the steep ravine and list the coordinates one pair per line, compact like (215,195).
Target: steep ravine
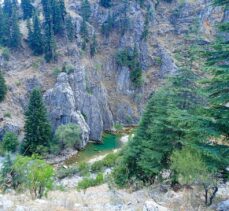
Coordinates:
(97,93)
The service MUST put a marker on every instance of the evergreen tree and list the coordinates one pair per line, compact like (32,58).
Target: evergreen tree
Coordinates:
(58,17)
(217,87)
(27,8)
(37,127)
(84,34)
(3,87)
(4,28)
(35,36)
(8,7)
(108,25)
(105,3)
(93,46)
(15,35)
(69,28)
(85,10)
(49,43)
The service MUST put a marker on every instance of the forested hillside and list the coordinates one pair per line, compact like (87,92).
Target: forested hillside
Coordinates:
(152,76)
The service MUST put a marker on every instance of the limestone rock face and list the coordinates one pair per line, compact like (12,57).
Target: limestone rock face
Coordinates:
(62,109)
(74,99)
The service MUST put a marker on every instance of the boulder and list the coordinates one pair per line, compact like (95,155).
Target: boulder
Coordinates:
(151,205)
(223,206)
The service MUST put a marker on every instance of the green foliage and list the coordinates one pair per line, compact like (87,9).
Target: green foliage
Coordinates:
(108,162)
(8,177)
(90,182)
(105,3)
(188,166)
(27,9)
(69,135)
(6,54)
(108,25)
(35,36)
(93,46)
(10,142)
(130,58)
(85,10)
(217,85)
(84,169)
(67,172)
(3,87)
(49,43)
(68,68)
(36,175)
(84,34)
(37,127)
(69,28)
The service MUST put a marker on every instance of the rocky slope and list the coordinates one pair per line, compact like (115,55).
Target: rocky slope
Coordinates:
(97,93)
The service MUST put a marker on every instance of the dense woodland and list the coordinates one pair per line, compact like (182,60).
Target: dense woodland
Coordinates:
(184,129)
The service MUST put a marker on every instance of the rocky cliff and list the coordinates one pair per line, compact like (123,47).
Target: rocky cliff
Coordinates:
(97,92)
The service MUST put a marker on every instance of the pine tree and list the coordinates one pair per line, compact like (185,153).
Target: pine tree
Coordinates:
(93,46)
(3,87)
(49,43)
(58,17)
(15,35)
(8,7)
(37,127)
(85,10)
(69,28)
(35,36)
(217,87)
(84,34)
(105,3)
(108,25)
(27,9)
(4,28)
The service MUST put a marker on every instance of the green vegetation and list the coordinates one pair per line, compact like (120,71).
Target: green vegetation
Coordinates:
(3,87)
(105,3)
(37,128)
(90,182)
(27,8)
(6,54)
(68,136)
(35,175)
(85,10)
(35,37)
(130,58)
(180,122)
(9,142)
(10,35)
(108,162)
(108,26)
(67,172)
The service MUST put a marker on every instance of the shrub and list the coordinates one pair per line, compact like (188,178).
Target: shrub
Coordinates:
(97,166)
(110,160)
(7,114)
(68,68)
(129,57)
(56,71)
(69,135)
(10,142)
(107,162)
(67,172)
(6,54)
(90,182)
(36,175)
(84,169)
